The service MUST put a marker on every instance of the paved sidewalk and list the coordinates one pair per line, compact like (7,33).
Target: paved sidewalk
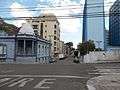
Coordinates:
(106,82)
(109,78)
(108,61)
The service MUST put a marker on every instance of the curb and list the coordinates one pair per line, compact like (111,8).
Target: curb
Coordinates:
(107,82)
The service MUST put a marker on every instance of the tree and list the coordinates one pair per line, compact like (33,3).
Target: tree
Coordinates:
(85,47)
(69,47)
(8,28)
(70,44)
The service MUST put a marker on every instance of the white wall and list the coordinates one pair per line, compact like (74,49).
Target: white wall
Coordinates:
(95,57)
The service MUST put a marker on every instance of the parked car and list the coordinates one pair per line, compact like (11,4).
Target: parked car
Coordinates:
(61,56)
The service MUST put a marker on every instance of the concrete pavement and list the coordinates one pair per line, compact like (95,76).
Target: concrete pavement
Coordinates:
(109,78)
(45,77)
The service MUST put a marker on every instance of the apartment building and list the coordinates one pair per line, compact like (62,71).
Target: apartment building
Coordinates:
(47,27)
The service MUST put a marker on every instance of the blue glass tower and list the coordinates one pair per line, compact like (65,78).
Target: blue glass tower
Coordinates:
(94,22)
(114,24)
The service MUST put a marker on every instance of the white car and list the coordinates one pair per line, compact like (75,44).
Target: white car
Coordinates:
(61,56)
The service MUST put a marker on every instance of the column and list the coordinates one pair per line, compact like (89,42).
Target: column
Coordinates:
(24,47)
(33,52)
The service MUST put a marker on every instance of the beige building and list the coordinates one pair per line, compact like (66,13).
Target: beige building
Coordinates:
(47,27)
(61,50)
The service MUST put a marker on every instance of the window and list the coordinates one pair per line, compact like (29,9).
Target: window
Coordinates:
(55,32)
(55,43)
(54,48)
(35,26)
(55,38)
(45,25)
(2,49)
(55,26)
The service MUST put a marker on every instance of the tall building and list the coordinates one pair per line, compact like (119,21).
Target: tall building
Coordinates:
(114,24)
(47,27)
(94,23)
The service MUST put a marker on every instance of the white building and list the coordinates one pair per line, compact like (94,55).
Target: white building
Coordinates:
(24,47)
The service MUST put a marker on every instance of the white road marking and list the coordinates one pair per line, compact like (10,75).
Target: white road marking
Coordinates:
(10,82)
(45,76)
(44,81)
(8,71)
(21,82)
(4,79)
(27,78)
(106,73)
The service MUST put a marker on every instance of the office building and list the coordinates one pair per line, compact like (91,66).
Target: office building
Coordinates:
(94,23)
(114,24)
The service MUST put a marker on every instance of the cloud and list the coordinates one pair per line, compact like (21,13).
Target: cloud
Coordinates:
(65,8)
(17,10)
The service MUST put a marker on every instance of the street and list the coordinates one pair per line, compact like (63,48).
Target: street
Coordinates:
(57,76)
(62,75)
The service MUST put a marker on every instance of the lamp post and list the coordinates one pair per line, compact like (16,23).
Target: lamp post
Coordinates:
(15,52)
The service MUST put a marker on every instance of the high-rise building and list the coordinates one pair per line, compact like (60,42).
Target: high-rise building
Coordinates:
(47,27)
(94,23)
(114,24)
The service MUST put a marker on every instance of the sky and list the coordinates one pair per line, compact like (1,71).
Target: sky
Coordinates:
(71,29)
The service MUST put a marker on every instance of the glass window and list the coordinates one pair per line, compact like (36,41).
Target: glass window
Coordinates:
(45,25)
(55,26)
(3,49)
(35,26)
(55,32)
(55,43)
(55,38)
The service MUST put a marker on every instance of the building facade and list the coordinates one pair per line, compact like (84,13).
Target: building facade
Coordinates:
(24,47)
(61,47)
(94,23)
(48,28)
(114,24)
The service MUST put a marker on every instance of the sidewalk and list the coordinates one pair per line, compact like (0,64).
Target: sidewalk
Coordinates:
(107,82)
(108,61)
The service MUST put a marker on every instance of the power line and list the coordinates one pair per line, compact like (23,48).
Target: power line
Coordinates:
(58,17)
(92,5)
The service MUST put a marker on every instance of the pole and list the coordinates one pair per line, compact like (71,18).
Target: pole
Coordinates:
(36,49)
(15,52)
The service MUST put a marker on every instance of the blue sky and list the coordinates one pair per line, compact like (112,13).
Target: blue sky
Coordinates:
(71,29)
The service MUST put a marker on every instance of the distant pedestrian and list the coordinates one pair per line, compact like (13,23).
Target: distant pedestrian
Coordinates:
(82,56)
(76,56)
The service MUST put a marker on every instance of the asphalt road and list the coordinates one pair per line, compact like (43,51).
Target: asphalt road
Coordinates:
(45,77)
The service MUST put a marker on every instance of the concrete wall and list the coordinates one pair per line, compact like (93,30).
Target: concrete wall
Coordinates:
(95,57)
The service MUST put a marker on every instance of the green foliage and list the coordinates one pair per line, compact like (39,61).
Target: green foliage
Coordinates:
(70,44)
(98,49)
(8,28)
(85,47)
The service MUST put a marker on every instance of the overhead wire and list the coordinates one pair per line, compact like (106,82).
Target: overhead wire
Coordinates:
(89,15)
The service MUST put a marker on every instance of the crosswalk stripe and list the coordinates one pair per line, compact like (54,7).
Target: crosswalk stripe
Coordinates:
(53,76)
(4,79)
(10,82)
